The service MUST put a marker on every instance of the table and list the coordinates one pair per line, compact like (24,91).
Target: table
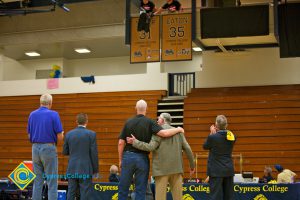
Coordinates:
(194,191)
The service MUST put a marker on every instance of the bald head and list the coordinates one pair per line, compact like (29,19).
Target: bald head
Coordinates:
(141,106)
(113,169)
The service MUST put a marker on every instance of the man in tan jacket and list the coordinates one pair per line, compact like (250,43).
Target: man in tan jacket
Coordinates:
(167,162)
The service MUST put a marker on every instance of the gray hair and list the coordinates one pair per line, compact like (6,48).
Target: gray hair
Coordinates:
(167,117)
(268,169)
(46,100)
(221,122)
(141,105)
(82,118)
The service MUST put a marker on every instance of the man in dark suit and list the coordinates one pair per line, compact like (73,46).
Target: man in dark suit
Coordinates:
(81,146)
(220,166)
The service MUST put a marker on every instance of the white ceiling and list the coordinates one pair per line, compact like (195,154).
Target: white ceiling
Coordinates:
(91,25)
(108,47)
(97,25)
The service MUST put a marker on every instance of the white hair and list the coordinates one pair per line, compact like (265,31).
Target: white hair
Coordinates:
(141,105)
(167,117)
(46,99)
(221,122)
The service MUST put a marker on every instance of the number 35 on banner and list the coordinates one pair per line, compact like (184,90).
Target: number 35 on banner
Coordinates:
(176,37)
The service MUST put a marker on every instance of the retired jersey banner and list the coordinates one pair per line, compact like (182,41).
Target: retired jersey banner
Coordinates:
(145,46)
(176,37)
(192,191)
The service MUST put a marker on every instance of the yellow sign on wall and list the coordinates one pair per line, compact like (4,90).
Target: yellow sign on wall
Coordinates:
(176,37)
(145,47)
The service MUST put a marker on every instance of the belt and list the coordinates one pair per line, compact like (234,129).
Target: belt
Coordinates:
(146,153)
(44,143)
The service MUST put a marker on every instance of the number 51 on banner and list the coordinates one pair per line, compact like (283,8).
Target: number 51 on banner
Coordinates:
(145,47)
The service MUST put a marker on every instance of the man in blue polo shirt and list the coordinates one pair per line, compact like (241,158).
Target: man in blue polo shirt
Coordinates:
(44,128)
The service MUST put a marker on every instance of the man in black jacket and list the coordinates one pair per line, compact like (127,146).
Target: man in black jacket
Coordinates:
(220,166)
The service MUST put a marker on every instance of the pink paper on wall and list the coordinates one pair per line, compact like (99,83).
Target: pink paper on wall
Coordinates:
(52,83)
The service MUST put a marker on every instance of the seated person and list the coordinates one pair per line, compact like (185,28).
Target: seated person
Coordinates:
(146,11)
(171,6)
(113,176)
(267,175)
(147,6)
(285,175)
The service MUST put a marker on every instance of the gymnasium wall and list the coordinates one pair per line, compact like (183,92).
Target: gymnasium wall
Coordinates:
(137,82)
(250,68)
(107,112)
(265,120)
(1,68)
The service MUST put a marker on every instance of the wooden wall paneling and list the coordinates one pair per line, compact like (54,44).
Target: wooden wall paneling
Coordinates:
(265,120)
(107,113)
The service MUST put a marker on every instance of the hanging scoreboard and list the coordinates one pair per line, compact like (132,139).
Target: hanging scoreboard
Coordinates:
(145,47)
(176,37)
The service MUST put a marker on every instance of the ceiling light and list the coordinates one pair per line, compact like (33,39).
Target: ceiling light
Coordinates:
(197,49)
(83,50)
(32,53)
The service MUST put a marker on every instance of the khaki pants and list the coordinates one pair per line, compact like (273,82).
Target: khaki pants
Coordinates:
(161,182)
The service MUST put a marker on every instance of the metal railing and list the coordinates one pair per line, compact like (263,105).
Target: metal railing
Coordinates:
(237,162)
(181,83)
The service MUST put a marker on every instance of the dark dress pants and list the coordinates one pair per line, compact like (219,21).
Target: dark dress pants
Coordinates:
(84,185)
(221,188)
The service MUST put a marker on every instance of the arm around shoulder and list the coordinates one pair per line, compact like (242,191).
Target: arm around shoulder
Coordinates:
(151,146)
(170,132)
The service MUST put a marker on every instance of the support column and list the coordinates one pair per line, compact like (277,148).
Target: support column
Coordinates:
(154,68)
(156,75)
(1,67)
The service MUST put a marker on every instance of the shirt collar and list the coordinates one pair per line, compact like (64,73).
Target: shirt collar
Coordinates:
(44,108)
(81,126)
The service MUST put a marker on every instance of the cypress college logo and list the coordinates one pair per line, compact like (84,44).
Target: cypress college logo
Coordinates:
(260,197)
(187,197)
(115,197)
(22,176)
